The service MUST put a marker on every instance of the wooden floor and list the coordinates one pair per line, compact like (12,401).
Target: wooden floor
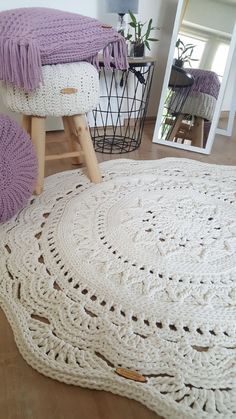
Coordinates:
(26,394)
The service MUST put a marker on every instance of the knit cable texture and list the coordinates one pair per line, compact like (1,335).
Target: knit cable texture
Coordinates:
(205,81)
(18,168)
(196,104)
(49,98)
(32,37)
(137,272)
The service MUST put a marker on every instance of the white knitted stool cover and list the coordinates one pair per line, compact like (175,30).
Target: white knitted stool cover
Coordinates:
(197,104)
(51,99)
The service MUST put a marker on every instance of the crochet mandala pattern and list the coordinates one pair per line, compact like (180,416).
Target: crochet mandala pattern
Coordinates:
(137,272)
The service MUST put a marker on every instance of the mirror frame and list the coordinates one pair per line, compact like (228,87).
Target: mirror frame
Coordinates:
(228,131)
(215,120)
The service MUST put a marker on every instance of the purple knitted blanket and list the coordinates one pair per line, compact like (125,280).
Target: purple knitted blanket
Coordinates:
(205,81)
(32,37)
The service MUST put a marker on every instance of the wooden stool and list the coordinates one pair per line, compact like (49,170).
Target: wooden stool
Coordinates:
(68,91)
(79,139)
(184,133)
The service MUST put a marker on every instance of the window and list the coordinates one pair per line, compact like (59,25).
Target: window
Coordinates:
(219,61)
(197,51)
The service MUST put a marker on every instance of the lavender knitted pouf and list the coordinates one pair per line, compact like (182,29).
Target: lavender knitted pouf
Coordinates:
(18,168)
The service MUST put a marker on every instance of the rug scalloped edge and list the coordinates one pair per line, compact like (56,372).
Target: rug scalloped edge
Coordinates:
(87,383)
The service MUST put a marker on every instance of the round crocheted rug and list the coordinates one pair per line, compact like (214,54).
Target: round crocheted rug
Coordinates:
(136,273)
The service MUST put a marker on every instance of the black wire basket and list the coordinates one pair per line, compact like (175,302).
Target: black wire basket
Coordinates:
(118,121)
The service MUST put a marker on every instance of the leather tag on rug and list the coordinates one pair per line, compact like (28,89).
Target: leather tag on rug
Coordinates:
(131,375)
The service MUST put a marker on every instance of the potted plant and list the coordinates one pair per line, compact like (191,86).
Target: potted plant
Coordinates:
(140,36)
(184,53)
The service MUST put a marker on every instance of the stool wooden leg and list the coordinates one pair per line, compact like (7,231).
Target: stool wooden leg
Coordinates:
(26,123)
(82,132)
(175,127)
(38,139)
(73,144)
(197,132)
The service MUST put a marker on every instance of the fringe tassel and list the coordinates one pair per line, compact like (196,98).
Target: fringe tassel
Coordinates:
(107,56)
(94,61)
(116,53)
(121,60)
(20,64)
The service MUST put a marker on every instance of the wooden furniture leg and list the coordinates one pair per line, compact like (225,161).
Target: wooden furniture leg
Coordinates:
(73,144)
(26,123)
(176,127)
(80,129)
(198,132)
(38,139)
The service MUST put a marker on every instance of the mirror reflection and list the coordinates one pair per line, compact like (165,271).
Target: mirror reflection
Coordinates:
(198,68)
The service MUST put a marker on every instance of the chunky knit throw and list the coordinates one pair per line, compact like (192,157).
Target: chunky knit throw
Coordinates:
(18,168)
(205,81)
(32,37)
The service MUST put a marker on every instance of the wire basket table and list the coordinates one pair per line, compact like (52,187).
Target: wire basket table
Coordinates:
(118,121)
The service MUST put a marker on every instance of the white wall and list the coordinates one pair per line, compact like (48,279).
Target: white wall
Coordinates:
(157,11)
(165,21)
(89,7)
(163,14)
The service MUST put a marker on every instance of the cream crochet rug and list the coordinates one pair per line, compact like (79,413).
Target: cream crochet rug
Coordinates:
(137,272)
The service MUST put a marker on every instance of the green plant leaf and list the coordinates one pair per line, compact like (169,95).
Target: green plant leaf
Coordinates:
(181,43)
(149,28)
(139,30)
(188,48)
(128,36)
(147,45)
(177,43)
(133,18)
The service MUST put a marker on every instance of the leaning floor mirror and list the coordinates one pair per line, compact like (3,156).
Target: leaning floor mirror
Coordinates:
(199,64)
